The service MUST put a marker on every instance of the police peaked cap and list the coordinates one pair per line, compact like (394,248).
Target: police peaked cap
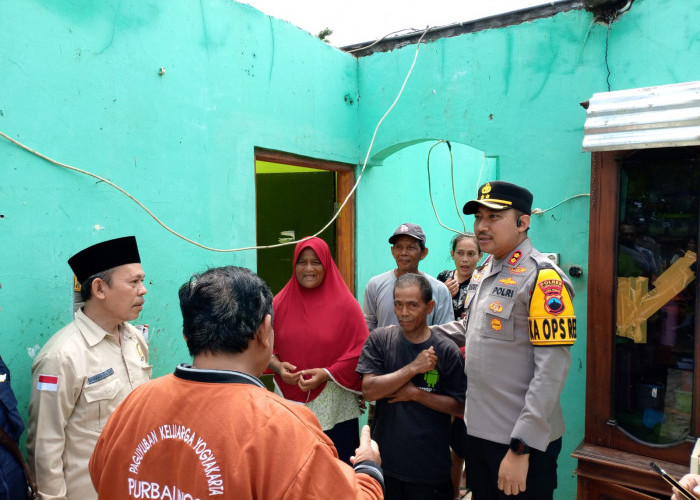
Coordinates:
(103,256)
(499,195)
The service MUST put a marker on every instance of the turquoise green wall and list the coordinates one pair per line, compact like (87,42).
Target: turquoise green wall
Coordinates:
(514,94)
(79,81)
(398,190)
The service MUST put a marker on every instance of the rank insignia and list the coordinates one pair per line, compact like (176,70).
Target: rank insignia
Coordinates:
(517,270)
(496,307)
(476,276)
(496,324)
(515,257)
(508,281)
(485,190)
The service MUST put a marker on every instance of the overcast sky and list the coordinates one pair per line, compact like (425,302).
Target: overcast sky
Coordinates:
(354,21)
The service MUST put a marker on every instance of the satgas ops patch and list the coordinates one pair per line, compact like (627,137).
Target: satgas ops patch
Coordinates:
(551,320)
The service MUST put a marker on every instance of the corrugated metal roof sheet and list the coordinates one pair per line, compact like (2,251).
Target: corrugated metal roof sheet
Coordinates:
(651,117)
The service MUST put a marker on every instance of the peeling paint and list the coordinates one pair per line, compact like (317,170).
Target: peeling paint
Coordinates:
(33,351)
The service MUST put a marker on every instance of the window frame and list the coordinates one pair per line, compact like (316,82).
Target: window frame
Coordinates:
(600,426)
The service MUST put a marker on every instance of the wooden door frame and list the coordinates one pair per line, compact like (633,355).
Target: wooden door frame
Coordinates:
(345,223)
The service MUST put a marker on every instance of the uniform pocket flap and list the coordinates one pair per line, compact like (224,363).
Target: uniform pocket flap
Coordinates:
(102,391)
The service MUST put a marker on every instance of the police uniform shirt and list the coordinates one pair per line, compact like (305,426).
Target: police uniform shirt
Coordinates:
(513,385)
(79,378)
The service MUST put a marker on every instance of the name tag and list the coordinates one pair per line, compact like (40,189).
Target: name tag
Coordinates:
(100,376)
(502,291)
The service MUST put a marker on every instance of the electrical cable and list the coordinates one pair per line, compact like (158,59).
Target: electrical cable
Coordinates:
(481,171)
(607,64)
(410,30)
(535,211)
(539,211)
(454,195)
(228,250)
(625,7)
(374,135)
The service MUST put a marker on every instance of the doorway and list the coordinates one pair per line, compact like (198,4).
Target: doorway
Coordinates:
(295,197)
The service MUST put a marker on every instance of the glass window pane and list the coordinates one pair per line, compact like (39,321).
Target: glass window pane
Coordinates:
(656,294)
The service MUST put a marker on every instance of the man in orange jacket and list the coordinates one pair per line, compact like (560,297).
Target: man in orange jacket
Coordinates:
(212,428)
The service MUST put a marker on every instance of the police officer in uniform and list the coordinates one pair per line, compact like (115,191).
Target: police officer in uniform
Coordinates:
(517,333)
(86,369)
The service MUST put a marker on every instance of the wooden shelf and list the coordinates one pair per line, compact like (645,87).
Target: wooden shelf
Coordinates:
(630,470)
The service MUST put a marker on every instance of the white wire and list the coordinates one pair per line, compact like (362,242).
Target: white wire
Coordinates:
(162,224)
(454,195)
(376,129)
(481,171)
(539,211)
(410,30)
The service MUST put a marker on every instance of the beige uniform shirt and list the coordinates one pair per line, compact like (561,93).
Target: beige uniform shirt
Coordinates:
(79,378)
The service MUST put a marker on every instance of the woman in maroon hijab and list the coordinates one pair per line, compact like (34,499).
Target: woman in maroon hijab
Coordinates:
(319,333)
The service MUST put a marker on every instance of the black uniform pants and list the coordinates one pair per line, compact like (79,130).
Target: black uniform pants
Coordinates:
(346,438)
(484,459)
(396,489)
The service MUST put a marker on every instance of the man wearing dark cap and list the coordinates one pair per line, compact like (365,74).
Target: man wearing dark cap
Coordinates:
(408,249)
(518,329)
(86,369)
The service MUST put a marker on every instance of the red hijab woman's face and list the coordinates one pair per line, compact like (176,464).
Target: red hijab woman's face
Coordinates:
(309,269)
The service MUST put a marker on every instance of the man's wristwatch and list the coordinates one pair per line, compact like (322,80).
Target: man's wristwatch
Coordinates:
(519,447)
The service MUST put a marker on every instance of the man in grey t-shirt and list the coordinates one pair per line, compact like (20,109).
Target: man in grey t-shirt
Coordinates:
(408,249)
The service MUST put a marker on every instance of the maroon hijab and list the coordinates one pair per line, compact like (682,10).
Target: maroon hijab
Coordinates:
(320,327)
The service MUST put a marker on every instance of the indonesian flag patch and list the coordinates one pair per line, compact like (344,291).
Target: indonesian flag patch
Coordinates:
(47,383)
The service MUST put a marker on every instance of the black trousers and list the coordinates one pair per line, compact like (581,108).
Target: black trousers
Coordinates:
(484,459)
(346,438)
(396,489)
(458,437)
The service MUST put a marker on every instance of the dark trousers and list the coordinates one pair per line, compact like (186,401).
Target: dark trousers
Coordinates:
(484,459)
(13,484)
(396,489)
(458,437)
(346,438)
